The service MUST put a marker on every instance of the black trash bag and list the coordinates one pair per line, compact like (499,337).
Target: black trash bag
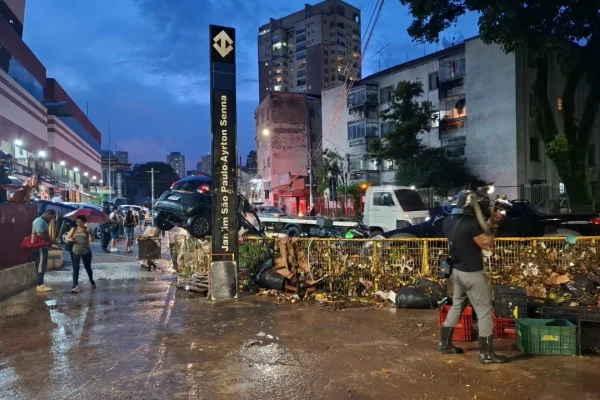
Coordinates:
(580,285)
(432,288)
(268,279)
(414,298)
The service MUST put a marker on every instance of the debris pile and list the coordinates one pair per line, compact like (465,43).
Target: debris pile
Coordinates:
(197,284)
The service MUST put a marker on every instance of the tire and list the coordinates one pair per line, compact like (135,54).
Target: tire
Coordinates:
(293,231)
(563,233)
(199,226)
(97,233)
(375,232)
(403,235)
(161,222)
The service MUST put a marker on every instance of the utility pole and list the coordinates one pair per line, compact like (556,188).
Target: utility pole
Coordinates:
(152,172)
(109,177)
(308,148)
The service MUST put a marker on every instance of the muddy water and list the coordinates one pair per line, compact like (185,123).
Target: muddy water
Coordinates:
(144,339)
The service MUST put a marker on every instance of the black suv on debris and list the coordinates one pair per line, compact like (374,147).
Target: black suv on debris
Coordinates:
(186,204)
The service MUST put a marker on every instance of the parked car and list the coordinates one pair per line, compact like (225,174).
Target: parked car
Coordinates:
(522,221)
(186,204)
(269,211)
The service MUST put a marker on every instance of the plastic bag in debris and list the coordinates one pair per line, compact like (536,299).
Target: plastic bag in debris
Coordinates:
(432,288)
(414,298)
(580,285)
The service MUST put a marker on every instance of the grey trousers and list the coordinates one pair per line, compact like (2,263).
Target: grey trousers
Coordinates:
(476,287)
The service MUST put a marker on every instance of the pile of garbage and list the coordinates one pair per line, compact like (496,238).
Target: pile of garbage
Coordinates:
(569,275)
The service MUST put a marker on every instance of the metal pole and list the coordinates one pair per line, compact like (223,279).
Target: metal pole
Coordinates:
(151,172)
(109,177)
(308,148)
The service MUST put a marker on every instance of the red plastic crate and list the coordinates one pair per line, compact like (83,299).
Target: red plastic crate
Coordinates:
(464,328)
(505,328)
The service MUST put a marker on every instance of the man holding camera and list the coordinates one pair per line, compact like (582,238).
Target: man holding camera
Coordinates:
(467,239)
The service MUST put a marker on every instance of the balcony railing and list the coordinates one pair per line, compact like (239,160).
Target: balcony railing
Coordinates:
(452,124)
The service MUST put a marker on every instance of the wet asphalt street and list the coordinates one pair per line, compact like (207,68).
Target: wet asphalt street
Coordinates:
(138,337)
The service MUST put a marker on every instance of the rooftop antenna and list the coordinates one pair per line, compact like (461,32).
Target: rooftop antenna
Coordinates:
(452,39)
(378,53)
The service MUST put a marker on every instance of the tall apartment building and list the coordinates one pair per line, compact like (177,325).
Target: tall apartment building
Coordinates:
(485,116)
(177,161)
(310,50)
(205,165)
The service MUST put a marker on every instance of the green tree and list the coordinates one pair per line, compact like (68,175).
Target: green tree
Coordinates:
(410,118)
(416,163)
(432,168)
(139,180)
(332,165)
(100,199)
(544,28)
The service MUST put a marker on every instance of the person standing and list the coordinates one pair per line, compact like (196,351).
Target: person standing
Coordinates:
(116,219)
(142,219)
(41,228)
(129,223)
(81,237)
(467,239)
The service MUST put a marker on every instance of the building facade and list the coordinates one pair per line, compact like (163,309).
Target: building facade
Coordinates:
(485,115)
(205,165)
(115,171)
(312,49)
(288,128)
(41,127)
(177,161)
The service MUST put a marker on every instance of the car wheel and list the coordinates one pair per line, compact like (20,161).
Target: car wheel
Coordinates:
(375,232)
(97,233)
(199,226)
(161,222)
(293,231)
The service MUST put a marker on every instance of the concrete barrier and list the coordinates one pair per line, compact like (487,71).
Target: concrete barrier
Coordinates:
(16,279)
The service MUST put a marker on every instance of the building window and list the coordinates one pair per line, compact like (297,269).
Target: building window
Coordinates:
(361,94)
(301,82)
(534,149)
(385,94)
(592,156)
(277,88)
(363,128)
(301,47)
(300,56)
(300,31)
(301,73)
(434,81)
(455,147)
(300,38)
(451,69)
(387,127)
(559,104)
(301,89)
(453,107)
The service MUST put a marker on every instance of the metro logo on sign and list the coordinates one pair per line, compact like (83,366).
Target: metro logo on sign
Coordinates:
(223,44)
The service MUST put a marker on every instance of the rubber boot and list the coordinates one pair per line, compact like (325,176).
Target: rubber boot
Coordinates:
(486,352)
(445,346)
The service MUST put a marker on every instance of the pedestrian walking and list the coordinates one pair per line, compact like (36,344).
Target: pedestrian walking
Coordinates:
(41,228)
(142,219)
(129,223)
(116,218)
(81,236)
(467,240)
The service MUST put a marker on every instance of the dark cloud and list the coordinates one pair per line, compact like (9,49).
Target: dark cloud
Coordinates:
(142,65)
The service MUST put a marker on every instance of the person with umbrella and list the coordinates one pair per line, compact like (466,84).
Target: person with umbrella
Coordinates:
(81,236)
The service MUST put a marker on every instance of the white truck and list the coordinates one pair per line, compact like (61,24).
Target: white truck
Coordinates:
(387,208)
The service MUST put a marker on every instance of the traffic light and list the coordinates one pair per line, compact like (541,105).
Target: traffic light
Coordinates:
(332,189)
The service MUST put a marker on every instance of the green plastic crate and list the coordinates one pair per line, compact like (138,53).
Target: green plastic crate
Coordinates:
(557,337)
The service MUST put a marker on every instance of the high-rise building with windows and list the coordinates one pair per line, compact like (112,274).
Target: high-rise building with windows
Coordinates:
(310,50)
(177,161)
(205,165)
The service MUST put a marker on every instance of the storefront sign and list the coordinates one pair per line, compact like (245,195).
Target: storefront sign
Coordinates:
(224,151)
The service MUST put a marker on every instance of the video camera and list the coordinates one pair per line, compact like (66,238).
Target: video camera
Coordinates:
(473,202)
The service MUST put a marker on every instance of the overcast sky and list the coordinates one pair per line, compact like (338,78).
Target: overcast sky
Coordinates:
(142,65)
